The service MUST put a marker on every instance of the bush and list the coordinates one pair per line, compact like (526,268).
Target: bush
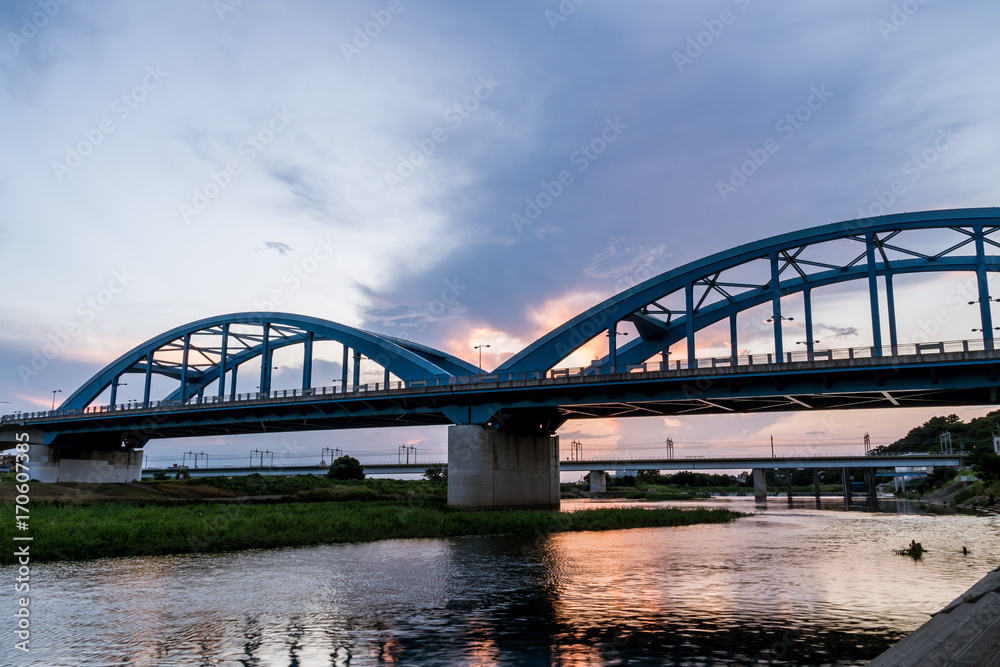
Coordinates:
(987,467)
(436,473)
(346,467)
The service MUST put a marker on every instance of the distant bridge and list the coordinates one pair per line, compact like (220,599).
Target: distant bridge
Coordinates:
(916,459)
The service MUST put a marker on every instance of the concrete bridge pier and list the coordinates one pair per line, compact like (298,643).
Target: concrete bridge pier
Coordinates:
(816,483)
(598,481)
(759,485)
(845,474)
(870,485)
(491,469)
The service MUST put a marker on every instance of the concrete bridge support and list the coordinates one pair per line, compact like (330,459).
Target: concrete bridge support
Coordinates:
(92,460)
(845,474)
(816,483)
(490,469)
(598,481)
(92,466)
(870,485)
(899,483)
(759,485)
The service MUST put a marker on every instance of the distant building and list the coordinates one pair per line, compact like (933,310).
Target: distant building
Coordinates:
(7,462)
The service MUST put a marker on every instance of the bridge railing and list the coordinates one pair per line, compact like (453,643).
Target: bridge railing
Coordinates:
(707,363)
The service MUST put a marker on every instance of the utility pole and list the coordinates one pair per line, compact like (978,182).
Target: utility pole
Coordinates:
(868,445)
(670,448)
(772,446)
(946,443)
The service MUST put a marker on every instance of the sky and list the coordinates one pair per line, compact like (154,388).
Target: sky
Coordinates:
(375,163)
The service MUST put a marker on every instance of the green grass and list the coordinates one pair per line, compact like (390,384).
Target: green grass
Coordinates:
(115,529)
(980,490)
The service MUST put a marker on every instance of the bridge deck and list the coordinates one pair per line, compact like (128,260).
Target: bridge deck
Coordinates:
(965,376)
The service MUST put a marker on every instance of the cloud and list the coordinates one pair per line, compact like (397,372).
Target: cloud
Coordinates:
(838,332)
(275,247)
(627,263)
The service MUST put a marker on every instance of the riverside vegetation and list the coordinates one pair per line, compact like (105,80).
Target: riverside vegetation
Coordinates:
(85,521)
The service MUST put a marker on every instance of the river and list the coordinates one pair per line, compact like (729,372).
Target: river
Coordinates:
(789,586)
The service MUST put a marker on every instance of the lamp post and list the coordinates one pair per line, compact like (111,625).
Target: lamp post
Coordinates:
(54,392)
(809,346)
(480,348)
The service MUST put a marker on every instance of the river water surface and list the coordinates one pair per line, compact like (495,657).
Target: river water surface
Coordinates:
(789,586)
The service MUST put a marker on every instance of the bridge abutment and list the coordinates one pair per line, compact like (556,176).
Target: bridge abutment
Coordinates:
(491,469)
(92,466)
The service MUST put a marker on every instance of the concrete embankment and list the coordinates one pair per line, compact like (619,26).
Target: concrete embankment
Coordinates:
(966,633)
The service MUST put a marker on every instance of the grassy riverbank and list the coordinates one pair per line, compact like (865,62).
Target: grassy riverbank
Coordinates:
(64,532)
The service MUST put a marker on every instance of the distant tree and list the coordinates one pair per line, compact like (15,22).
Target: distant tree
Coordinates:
(160,475)
(436,473)
(987,467)
(346,467)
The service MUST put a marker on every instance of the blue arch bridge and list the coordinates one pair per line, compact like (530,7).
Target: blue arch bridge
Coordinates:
(734,332)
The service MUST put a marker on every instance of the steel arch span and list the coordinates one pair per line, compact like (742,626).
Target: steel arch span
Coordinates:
(716,288)
(212,350)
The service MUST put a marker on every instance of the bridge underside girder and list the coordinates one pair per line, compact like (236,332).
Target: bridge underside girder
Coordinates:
(540,406)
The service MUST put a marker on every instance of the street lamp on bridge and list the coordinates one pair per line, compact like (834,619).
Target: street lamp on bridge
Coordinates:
(480,348)
(54,392)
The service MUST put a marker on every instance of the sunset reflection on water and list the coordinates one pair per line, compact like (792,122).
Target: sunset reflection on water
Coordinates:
(789,586)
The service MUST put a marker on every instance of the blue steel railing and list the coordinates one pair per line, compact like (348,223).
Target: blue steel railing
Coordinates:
(748,360)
